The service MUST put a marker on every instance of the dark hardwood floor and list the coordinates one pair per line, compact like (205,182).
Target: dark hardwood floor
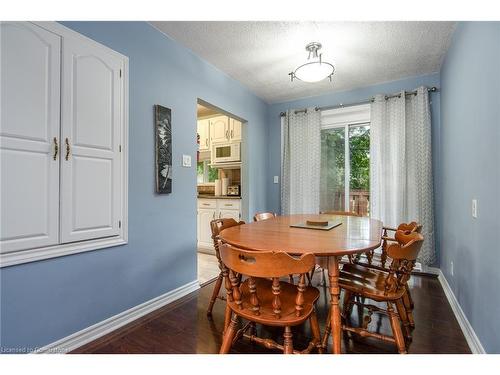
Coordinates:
(183,327)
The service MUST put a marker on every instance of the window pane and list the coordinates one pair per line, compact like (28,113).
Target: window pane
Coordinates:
(359,154)
(199,171)
(213,174)
(332,188)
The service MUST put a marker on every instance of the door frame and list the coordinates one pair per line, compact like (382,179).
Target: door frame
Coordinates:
(245,196)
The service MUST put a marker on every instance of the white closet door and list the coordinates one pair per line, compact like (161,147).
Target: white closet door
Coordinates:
(29,128)
(91,122)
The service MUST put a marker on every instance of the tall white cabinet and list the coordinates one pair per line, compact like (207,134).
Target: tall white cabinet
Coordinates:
(63,135)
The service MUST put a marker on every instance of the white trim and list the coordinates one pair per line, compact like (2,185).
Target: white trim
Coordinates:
(472,340)
(32,255)
(340,117)
(106,326)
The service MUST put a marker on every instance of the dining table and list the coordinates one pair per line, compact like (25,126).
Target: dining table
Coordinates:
(353,235)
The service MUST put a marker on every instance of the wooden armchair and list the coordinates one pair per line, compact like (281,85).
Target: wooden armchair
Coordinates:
(263,299)
(217,226)
(382,286)
(378,261)
(264,216)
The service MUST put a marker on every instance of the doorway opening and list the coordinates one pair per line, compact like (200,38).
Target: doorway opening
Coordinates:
(220,180)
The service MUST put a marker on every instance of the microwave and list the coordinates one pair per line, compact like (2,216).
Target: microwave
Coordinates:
(226,153)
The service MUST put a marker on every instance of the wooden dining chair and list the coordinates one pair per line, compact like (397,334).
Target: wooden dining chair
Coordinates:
(375,260)
(217,226)
(263,299)
(378,260)
(264,216)
(382,286)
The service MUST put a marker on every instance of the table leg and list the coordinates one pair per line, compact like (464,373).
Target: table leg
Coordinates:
(336,327)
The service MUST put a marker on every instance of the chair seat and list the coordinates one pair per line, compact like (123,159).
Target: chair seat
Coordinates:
(287,297)
(376,262)
(367,282)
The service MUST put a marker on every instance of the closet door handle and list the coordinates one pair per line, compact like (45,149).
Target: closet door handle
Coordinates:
(68,149)
(56,148)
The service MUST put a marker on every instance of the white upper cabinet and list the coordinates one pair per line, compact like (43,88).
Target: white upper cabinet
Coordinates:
(204,133)
(92,93)
(29,132)
(235,130)
(63,143)
(219,129)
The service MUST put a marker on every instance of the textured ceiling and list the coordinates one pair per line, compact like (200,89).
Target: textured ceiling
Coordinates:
(261,54)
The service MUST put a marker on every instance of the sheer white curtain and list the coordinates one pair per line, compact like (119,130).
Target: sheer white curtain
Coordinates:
(401,164)
(301,162)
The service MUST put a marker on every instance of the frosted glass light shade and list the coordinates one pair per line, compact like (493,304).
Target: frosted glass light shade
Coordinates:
(314,71)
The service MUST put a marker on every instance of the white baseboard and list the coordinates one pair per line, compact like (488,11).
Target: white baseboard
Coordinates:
(106,326)
(472,340)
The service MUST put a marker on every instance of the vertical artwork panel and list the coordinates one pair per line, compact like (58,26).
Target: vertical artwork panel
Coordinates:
(163,145)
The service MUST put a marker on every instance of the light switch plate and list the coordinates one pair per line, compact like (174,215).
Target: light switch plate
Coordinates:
(276,179)
(474,208)
(186,160)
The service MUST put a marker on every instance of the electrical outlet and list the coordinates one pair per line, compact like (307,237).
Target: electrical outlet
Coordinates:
(474,208)
(451,268)
(276,179)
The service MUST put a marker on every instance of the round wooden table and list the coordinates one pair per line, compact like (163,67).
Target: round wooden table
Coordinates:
(355,235)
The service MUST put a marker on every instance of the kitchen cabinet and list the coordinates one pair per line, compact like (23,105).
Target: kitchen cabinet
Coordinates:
(205,216)
(235,130)
(219,129)
(210,209)
(204,133)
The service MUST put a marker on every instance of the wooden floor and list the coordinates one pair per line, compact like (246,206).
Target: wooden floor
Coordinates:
(208,268)
(183,327)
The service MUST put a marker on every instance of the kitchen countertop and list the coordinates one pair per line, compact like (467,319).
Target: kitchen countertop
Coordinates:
(206,196)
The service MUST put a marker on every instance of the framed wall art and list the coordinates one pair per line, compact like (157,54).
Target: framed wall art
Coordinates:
(163,149)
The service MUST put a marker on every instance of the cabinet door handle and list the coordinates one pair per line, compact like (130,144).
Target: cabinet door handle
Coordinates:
(220,214)
(206,142)
(232,133)
(227,134)
(228,205)
(56,148)
(213,216)
(206,204)
(68,149)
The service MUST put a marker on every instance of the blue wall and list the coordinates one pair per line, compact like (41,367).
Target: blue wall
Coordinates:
(351,96)
(44,301)
(470,159)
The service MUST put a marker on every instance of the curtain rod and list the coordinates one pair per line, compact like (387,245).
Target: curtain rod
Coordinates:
(430,89)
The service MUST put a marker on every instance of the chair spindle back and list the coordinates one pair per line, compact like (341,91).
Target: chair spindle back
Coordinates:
(403,254)
(264,264)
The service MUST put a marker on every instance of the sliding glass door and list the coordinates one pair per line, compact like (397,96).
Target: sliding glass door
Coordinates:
(345,168)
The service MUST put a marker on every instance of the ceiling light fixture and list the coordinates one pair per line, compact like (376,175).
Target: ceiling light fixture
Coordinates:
(314,70)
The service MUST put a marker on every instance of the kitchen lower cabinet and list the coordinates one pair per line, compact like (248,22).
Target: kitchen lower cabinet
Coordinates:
(210,209)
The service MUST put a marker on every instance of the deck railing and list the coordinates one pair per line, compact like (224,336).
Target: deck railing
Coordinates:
(359,202)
